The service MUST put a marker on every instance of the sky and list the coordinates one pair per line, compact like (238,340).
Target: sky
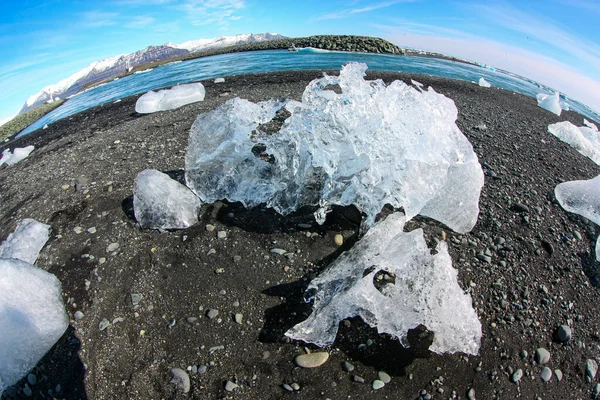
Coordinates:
(555,42)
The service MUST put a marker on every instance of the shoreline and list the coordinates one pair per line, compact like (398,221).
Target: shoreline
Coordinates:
(84,168)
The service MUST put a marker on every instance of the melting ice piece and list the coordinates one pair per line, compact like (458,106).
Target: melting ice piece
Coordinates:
(169,99)
(590,125)
(18,154)
(26,242)
(416,83)
(160,202)
(484,83)
(219,80)
(32,318)
(425,292)
(369,145)
(550,102)
(584,139)
(583,198)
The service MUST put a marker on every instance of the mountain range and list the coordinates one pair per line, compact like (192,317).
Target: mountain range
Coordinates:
(111,67)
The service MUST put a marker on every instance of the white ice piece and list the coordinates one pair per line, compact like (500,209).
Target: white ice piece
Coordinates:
(416,83)
(26,242)
(590,125)
(370,145)
(550,102)
(18,154)
(484,83)
(32,318)
(425,292)
(584,139)
(160,202)
(583,198)
(169,99)
(219,80)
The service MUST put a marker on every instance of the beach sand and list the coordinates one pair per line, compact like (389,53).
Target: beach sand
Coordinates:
(81,174)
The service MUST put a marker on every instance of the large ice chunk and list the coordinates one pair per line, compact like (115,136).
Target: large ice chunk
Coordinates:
(484,83)
(26,242)
(584,139)
(163,203)
(369,145)
(590,125)
(425,292)
(169,99)
(550,102)
(18,154)
(583,198)
(32,318)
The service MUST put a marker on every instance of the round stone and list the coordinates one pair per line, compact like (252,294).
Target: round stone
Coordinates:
(542,356)
(384,377)
(78,315)
(377,384)
(230,386)
(338,239)
(517,375)
(564,333)
(311,360)
(559,374)
(546,374)
(180,379)
(591,368)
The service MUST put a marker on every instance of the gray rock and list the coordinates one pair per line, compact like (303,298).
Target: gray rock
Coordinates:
(222,235)
(559,374)
(542,356)
(287,387)
(180,379)
(517,375)
(347,366)
(27,391)
(212,313)
(471,394)
(103,324)
(210,228)
(238,318)
(384,377)
(78,315)
(278,251)
(202,369)
(546,374)
(136,298)
(311,360)
(596,391)
(191,320)
(564,333)
(591,368)
(377,384)
(295,386)
(112,247)
(32,379)
(521,208)
(358,379)
(230,386)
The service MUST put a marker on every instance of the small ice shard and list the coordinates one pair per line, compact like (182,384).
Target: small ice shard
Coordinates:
(425,292)
(368,146)
(219,80)
(18,154)
(484,83)
(169,99)
(32,318)
(26,242)
(160,202)
(583,198)
(550,102)
(584,139)
(418,84)
(590,125)
(564,106)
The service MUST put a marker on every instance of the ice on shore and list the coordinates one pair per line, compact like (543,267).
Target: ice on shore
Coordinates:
(220,80)
(550,102)
(160,202)
(370,145)
(169,99)
(425,292)
(484,83)
(583,198)
(584,139)
(590,125)
(18,154)
(26,242)
(32,318)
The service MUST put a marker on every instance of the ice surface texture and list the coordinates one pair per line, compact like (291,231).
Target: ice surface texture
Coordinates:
(583,198)
(163,203)
(169,99)
(26,241)
(370,145)
(484,83)
(18,154)
(425,292)
(584,139)
(550,102)
(32,318)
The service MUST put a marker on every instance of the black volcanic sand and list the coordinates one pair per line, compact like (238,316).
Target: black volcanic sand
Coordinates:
(543,275)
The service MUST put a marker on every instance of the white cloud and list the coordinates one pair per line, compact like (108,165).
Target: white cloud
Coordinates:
(218,12)
(350,11)
(97,19)
(140,21)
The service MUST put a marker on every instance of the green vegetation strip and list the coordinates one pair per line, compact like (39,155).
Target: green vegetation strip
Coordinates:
(20,122)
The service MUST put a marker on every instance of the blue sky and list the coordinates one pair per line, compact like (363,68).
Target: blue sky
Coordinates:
(555,42)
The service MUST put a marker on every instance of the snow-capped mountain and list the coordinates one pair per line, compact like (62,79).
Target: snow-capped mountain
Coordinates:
(110,67)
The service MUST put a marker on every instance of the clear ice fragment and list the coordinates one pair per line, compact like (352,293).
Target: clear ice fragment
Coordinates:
(550,102)
(584,139)
(26,242)
(32,318)
(583,198)
(367,146)
(160,202)
(18,154)
(484,83)
(169,99)
(590,125)
(425,292)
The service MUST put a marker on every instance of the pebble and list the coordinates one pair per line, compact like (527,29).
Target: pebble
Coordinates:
(211,251)
(103,324)
(101,260)
(471,394)
(311,360)
(230,386)
(377,384)
(210,228)
(112,247)
(238,318)
(32,379)
(542,356)
(78,315)
(191,320)
(65,187)
(591,368)
(92,229)
(521,208)
(295,386)
(546,374)
(338,239)
(347,366)
(180,379)
(78,230)
(221,234)
(278,251)
(596,392)
(202,369)
(577,235)
(564,333)
(358,379)
(136,298)
(212,313)
(288,387)
(559,374)
(27,391)
(384,377)
(518,374)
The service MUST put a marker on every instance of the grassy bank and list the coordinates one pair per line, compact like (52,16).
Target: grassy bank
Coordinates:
(22,121)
